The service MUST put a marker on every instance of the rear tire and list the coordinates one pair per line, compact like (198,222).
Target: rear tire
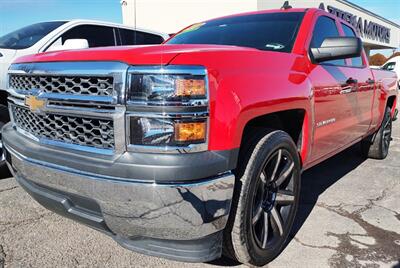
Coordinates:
(266,199)
(4,119)
(377,145)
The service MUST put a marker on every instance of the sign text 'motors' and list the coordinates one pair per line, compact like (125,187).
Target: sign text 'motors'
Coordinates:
(367,29)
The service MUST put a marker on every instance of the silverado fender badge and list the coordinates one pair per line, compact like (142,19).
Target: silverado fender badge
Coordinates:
(326,122)
(34,103)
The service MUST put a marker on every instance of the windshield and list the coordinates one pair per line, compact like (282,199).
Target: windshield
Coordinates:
(269,31)
(29,35)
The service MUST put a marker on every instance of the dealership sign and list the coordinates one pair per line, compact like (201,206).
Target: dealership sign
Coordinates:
(365,28)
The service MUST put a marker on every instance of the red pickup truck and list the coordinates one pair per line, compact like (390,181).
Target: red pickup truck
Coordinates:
(195,147)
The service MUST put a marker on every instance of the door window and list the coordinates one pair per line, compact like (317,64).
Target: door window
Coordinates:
(357,61)
(389,66)
(325,27)
(97,36)
(131,37)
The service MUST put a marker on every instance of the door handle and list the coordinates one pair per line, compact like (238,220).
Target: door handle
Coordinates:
(370,81)
(351,81)
(350,86)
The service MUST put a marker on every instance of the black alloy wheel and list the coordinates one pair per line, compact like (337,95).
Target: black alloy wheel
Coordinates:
(266,198)
(274,200)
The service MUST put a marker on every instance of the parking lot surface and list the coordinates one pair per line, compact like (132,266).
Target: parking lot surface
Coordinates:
(349,217)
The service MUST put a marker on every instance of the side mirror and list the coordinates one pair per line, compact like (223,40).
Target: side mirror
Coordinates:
(70,44)
(76,44)
(337,48)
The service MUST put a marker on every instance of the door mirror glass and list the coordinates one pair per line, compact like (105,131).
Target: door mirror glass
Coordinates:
(70,44)
(336,48)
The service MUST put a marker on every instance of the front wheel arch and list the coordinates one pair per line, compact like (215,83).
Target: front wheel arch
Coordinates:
(294,122)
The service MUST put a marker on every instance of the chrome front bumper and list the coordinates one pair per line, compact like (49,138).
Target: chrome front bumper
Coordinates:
(156,219)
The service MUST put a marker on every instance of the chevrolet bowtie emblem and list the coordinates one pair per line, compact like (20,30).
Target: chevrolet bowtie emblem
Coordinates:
(34,104)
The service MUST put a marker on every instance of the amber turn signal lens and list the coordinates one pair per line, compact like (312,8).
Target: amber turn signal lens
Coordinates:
(190,87)
(193,132)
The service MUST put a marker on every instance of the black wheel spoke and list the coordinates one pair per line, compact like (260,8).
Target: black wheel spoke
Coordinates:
(265,230)
(287,170)
(284,197)
(257,215)
(387,124)
(277,163)
(263,178)
(276,217)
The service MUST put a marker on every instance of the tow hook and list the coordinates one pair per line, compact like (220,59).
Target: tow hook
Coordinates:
(396,112)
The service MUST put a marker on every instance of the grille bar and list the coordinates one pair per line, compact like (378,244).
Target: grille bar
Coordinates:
(93,86)
(83,131)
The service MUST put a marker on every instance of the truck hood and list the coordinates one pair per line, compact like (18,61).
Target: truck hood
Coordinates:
(6,58)
(7,54)
(135,55)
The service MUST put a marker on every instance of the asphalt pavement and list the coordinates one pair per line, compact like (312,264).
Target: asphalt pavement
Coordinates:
(349,217)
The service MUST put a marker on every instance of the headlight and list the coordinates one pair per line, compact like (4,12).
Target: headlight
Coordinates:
(167,86)
(167,108)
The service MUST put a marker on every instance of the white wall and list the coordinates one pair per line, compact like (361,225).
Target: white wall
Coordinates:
(345,6)
(171,16)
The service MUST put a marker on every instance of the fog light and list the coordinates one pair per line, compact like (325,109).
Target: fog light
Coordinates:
(193,132)
(167,131)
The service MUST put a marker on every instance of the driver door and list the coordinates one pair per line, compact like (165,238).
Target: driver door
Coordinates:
(334,116)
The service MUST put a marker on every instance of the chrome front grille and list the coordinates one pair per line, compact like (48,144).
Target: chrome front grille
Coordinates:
(93,86)
(73,105)
(83,131)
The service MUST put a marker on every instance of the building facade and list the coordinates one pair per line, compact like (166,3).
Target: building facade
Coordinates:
(171,16)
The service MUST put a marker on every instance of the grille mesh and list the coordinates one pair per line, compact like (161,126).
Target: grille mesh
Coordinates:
(95,86)
(98,133)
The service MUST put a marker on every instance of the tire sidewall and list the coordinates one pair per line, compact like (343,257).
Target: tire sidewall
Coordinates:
(266,147)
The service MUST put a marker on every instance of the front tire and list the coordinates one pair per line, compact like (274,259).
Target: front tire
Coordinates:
(4,118)
(266,200)
(377,145)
